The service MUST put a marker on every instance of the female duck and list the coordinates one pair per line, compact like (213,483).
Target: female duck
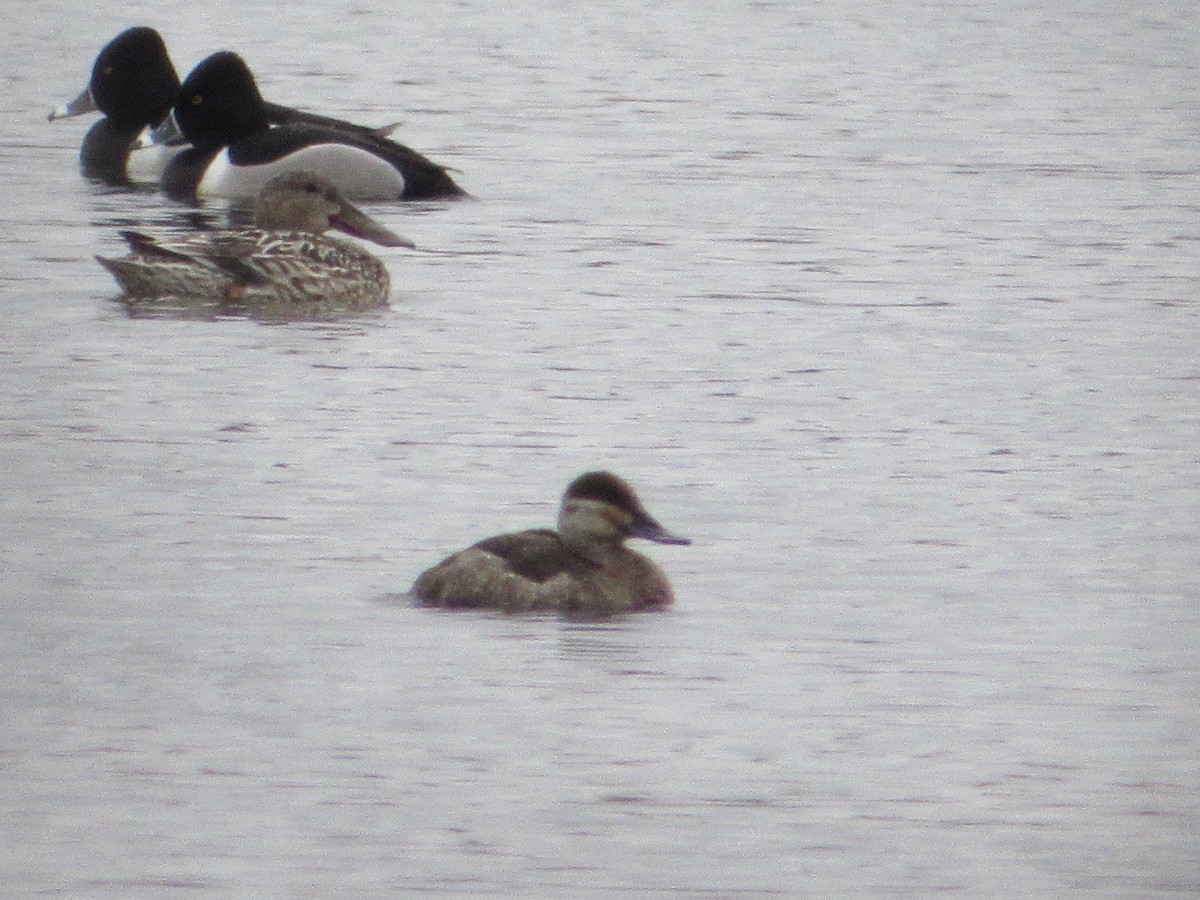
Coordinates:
(582,568)
(134,84)
(285,261)
(235,150)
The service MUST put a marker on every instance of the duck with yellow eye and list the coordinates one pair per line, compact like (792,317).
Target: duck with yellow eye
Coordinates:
(134,86)
(236,149)
(581,568)
(286,260)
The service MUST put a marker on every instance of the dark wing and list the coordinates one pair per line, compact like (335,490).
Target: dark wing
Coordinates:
(282,115)
(215,245)
(423,178)
(506,572)
(242,271)
(537,555)
(149,247)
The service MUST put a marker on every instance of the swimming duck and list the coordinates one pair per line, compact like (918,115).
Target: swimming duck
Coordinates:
(235,149)
(582,568)
(135,85)
(286,260)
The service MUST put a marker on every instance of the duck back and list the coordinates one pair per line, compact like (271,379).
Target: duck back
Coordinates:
(236,148)
(535,570)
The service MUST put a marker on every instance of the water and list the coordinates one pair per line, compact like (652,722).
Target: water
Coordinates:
(891,307)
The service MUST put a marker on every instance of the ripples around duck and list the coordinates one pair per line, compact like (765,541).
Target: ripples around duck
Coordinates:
(890,308)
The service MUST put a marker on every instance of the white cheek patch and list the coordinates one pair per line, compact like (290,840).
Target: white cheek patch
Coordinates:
(357,174)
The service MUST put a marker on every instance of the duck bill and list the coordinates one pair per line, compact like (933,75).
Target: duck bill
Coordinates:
(646,528)
(81,105)
(167,131)
(354,221)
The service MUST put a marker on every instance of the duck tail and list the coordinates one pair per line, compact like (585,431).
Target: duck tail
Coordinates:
(147,246)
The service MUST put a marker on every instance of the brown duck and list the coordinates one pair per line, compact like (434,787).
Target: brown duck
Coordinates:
(582,568)
(286,259)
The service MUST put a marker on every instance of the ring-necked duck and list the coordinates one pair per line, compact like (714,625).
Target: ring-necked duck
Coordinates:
(582,568)
(235,149)
(285,259)
(134,85)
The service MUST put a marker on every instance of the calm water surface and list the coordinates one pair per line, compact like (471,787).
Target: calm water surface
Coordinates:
(891,307)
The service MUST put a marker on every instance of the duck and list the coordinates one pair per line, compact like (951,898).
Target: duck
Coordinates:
(285,261)
(235,149)
(134,85)
(582,568)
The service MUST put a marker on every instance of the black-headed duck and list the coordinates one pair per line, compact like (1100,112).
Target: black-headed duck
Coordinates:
(237,147)
(134,86)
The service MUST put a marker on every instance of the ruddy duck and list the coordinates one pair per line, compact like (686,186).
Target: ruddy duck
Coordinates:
(580,569)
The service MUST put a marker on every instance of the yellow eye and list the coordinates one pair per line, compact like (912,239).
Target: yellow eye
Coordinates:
(197,99)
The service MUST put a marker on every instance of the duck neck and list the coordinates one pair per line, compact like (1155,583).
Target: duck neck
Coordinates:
(105,151)
(587,546)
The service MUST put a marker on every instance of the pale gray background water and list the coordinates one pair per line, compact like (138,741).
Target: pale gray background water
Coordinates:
(891,306)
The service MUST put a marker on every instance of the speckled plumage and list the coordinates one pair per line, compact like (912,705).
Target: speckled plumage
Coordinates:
(286,260)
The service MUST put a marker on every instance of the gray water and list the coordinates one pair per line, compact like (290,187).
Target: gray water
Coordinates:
(891,306)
